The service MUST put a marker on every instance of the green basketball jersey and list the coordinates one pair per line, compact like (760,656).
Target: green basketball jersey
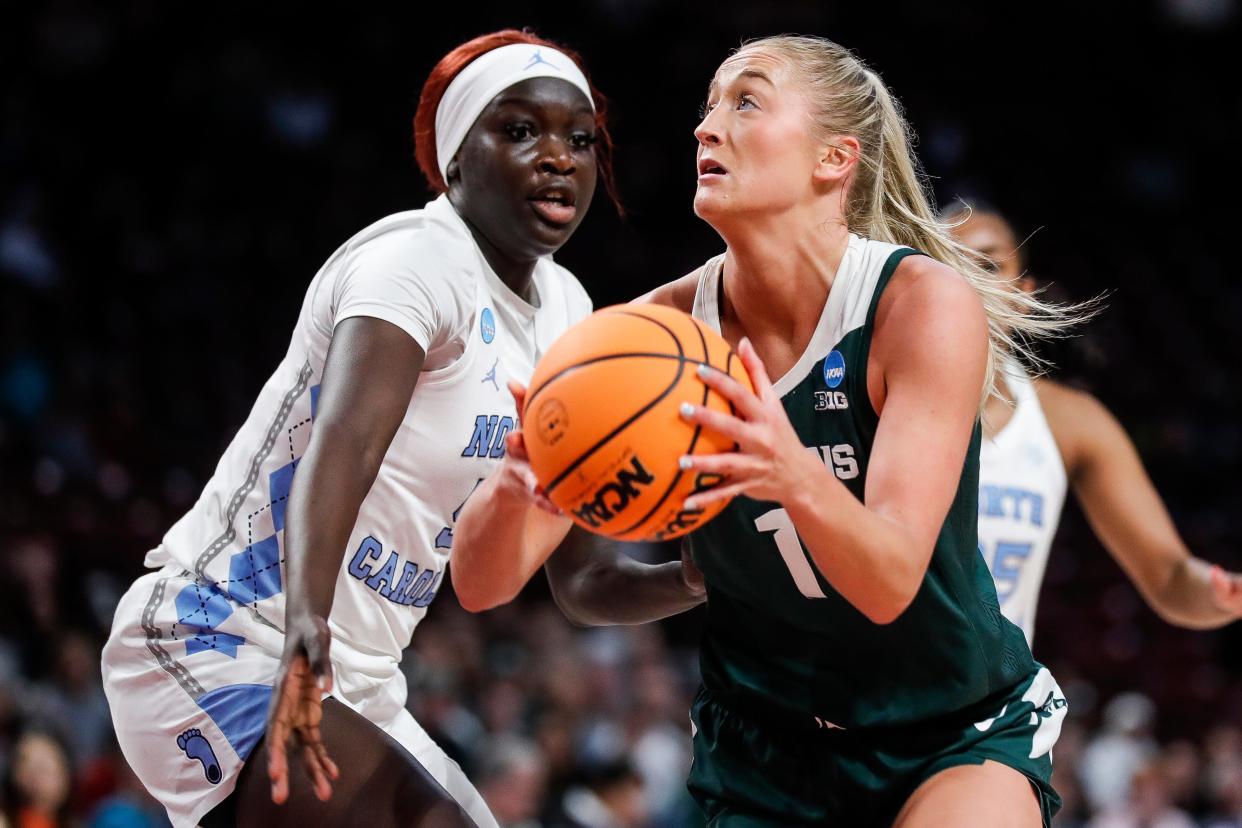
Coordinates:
(778,637)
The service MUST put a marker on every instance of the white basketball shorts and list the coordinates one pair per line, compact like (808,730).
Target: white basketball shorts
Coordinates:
(188,674)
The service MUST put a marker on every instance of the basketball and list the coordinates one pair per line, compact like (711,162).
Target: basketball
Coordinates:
(602,425)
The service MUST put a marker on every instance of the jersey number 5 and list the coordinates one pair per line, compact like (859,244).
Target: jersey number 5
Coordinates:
(1006,564)
(789,545)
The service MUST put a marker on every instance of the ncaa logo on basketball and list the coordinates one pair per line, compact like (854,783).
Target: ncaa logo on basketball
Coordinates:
(611,498)
(551,421)
(686,519)
(487,325)
(834,369)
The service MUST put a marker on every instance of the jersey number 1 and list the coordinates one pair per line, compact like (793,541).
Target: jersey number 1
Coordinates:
(789,545)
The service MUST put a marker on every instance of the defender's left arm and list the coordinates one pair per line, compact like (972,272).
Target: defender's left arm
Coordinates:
(595,583)
(1129,517)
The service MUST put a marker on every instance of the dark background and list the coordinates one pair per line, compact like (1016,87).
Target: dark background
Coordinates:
(169,185)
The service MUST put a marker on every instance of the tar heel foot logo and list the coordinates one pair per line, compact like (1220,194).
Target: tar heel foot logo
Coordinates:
(487,325)
(612,497)
(195,746)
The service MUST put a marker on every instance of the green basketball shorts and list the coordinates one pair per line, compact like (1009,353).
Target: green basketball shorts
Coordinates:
(758,770)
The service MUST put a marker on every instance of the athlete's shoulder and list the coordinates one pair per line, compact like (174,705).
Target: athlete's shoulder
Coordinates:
(679,293)
(427,238)
(924,293)
(570,290)
(927,278)
(1079,422)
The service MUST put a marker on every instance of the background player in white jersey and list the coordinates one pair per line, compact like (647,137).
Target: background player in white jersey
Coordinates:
(1042,436)
(392,400)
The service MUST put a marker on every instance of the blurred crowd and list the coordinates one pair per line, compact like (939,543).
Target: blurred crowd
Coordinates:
(167,191)
(558,727)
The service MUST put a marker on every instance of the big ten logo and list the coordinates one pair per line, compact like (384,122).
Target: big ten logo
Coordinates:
(838,459)
(413,588)
(686,519)
(612,497)
(831,401)
(488,437)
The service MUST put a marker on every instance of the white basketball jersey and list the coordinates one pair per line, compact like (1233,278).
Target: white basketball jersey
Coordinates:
(1022,485)
(419,270)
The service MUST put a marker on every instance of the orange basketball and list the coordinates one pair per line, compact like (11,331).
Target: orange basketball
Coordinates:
(602,425)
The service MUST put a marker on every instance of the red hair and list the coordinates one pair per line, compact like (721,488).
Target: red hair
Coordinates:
(452,63)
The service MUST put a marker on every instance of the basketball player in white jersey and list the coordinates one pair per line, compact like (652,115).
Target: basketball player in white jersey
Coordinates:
(1042,437)
(277,613)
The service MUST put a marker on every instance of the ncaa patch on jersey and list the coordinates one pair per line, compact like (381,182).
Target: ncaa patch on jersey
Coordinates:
(487,325)
(834,369)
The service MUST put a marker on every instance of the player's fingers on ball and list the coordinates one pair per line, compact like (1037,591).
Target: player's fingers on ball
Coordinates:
(519,394)
(728,463)
(754,367)
(515,446)
(542,501)
(743,400)
(722,492)
(536,492)
(724,424)
(530,482)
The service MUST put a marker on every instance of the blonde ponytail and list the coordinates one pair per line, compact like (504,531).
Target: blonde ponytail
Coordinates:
(888,200)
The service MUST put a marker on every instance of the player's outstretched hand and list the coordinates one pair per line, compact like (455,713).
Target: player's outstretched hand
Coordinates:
(770,462)
(297,708)
(515,471)
(1227,589)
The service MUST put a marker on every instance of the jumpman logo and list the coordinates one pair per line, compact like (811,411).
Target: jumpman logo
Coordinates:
(536,59)
(491,375)
(197,747)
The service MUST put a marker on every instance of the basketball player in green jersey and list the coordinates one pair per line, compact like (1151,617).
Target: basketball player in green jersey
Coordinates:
(856,668)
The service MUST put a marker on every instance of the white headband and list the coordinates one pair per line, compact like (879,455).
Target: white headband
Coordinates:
(487,76)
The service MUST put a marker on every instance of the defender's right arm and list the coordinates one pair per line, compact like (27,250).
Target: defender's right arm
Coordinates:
(506,530)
